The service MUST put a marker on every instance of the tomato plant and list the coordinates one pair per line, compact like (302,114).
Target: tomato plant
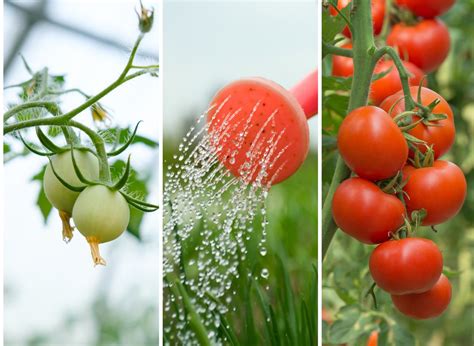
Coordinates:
(362,210)
(371,143)
(441,136)
(378,13)
(387,70)
(78,180)
(439,189)
(429,304)
(425,44)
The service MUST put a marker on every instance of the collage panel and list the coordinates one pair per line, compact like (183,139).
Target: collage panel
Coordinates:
(240,173)
(397,218)
(81,242)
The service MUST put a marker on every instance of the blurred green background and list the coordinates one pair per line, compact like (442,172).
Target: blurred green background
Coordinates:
(345,274)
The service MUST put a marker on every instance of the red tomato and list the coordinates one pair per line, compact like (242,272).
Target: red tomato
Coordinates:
(409,265)
(343,66)
(362,210)
(427,9)
(425,305)
(390,83)
(378,13)
(373,338)
(440,190)
(371,143)
(425,44)
(442,136)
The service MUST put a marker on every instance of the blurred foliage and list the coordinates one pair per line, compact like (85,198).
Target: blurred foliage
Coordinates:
(280,309)
(345,276)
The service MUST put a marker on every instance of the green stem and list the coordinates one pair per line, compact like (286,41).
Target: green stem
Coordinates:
(363,49)
(32,104)
(386,21)
(104,169)
(334,50)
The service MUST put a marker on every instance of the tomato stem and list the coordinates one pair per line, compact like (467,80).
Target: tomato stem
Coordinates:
(363,51)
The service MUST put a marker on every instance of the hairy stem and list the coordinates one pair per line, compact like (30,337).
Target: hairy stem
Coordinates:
(104,169)
(363,49)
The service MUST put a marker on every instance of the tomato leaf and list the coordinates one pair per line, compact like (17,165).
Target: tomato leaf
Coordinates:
(42,202)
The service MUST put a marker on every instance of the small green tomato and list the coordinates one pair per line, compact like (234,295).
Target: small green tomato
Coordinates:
(60,196)
(101,215)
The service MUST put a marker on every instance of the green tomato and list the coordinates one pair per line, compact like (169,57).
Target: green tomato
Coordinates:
(60,196)
(101,215)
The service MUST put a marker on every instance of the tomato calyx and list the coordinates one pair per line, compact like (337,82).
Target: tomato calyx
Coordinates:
(421,160)
(394,185)
(117,186)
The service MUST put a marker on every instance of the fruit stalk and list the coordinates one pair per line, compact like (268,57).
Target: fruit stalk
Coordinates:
(363,52)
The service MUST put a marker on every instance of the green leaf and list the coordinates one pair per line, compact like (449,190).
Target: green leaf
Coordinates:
(333,25)
(42,202)
(6,148)
(402,337)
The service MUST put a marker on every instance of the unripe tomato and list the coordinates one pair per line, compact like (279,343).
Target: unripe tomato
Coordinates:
(378,13)
(371,143)
(440,190)
(425,44)
(389,84)
(441,137)
(101,215)
(362,210)
(427,9)
(60,196)
(343,66)
(429,304)
(409,265)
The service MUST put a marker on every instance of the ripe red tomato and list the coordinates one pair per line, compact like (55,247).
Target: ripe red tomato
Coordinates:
(378,13)
(373,338)
(389,84)
(442,136)
(363,211)
(440,190)
(409,265)
(343,66)
(425,44)
(371,143)
(425,305)
(427,9)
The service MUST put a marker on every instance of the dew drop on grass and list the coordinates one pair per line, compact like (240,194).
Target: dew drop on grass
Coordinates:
(209,217)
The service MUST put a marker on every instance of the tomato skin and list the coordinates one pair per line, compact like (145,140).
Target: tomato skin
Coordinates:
(371,143)
(425,44)
(427,9)
(101,214)
(378,14)
(440,190)
(373,338)
(409,265)
(363,211)
(442,136)
(389,84)
(425,305)
(343,66)
(58,195)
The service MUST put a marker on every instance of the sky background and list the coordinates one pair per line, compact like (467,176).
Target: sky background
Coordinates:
(46,280)
(208,44)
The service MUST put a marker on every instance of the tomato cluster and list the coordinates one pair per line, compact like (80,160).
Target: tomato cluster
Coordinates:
(398,181)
